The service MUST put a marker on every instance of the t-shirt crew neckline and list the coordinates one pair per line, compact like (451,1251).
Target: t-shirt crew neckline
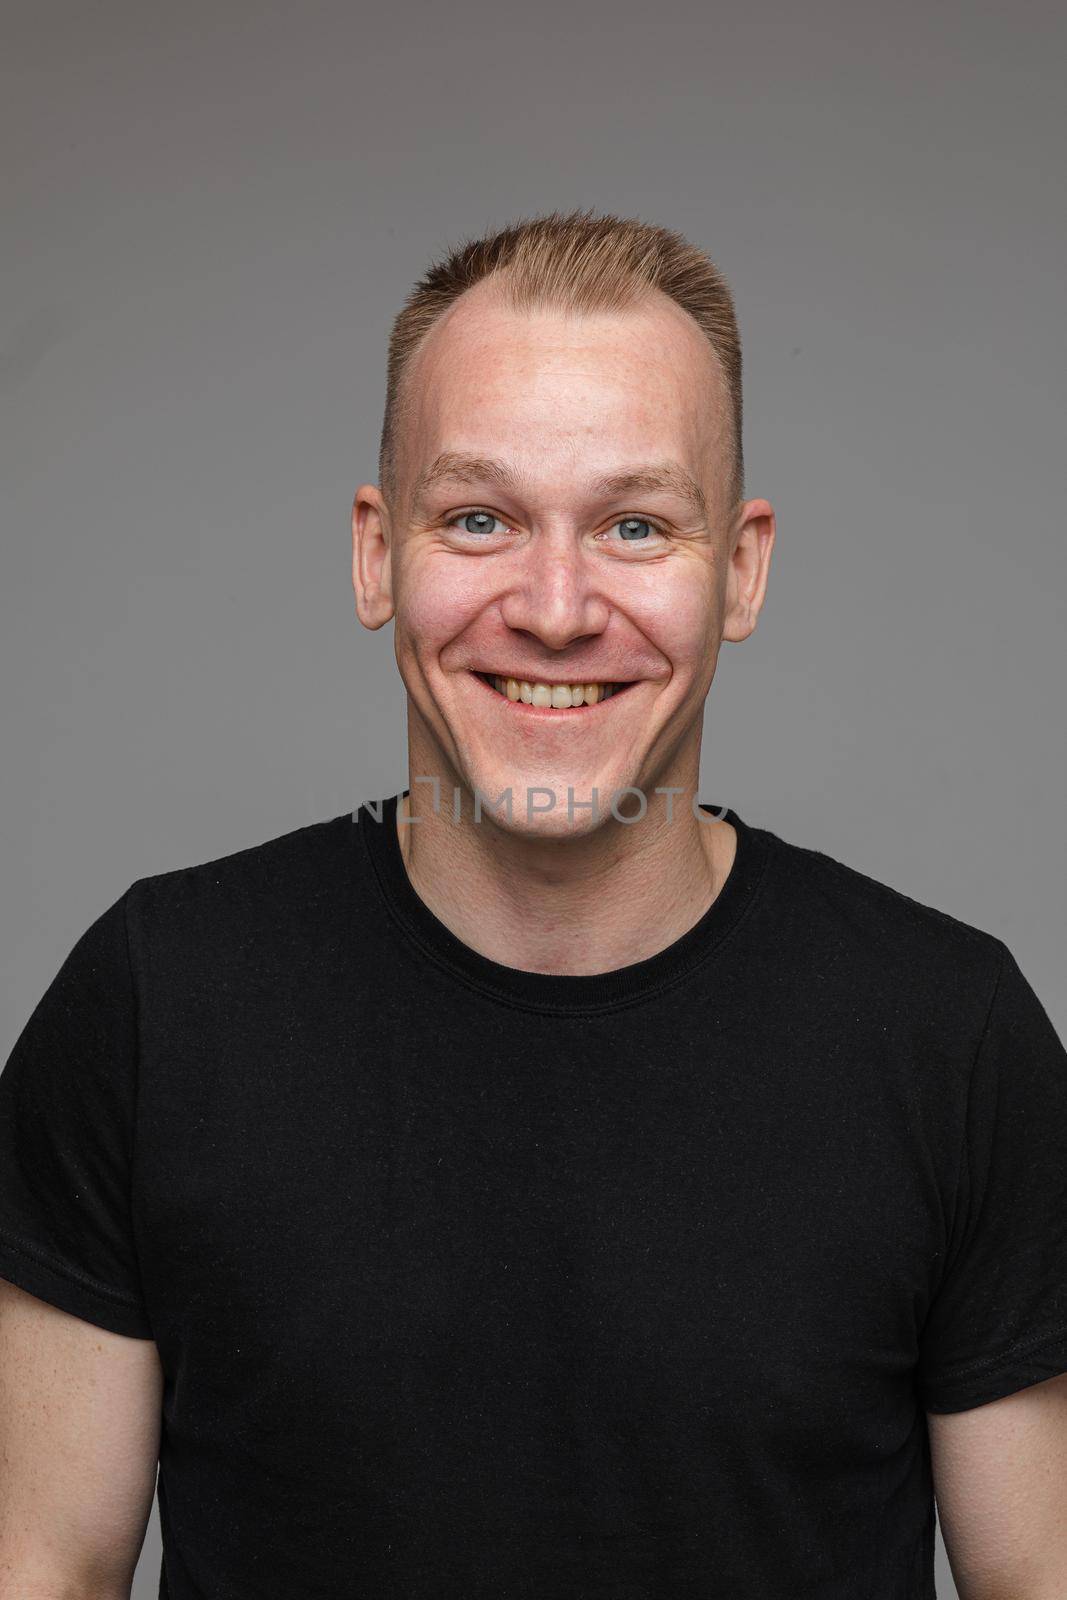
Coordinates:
(564,992)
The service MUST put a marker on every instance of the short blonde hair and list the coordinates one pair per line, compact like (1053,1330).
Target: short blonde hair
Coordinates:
(576,261)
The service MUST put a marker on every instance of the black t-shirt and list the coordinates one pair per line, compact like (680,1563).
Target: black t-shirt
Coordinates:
(469,1281)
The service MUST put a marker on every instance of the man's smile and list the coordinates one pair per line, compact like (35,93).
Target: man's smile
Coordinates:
(540,696)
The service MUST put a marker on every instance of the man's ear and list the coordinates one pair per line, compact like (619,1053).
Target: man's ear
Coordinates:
(752,540)
(372,572)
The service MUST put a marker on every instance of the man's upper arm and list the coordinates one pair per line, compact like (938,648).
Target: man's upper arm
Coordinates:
(80,1414)
(992,1374)
(1000,1481)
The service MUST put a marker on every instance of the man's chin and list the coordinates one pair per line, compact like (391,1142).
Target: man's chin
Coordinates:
(537,808)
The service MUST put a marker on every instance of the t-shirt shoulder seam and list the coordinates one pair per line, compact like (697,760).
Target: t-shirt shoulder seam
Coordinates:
(1002,963)
(964,1165)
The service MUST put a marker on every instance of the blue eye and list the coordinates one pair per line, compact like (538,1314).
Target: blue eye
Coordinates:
(474,521)
(633,528)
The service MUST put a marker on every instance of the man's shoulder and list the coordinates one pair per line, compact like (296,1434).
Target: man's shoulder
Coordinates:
(267,884)
(831,901)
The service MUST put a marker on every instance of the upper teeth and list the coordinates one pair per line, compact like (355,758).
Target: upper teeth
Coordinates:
(559,695)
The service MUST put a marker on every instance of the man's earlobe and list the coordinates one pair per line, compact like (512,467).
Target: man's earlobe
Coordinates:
(371,557)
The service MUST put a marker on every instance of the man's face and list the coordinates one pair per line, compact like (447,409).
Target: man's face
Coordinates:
(546,571)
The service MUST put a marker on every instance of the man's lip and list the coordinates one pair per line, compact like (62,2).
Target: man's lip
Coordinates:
(533,677)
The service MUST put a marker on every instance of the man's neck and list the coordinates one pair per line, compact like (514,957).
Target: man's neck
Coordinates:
(574,906)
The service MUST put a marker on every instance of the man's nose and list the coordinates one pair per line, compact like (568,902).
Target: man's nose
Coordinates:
(555,595)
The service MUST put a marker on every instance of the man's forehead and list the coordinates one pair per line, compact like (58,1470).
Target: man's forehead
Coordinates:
(469,468)
(653,348)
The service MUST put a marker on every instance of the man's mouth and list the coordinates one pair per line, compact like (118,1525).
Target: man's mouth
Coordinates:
(542,694)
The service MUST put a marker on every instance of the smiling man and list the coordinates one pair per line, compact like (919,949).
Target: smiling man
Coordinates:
(558,637)
(540,1182)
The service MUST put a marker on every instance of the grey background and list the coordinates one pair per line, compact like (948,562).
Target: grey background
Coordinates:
(212,215)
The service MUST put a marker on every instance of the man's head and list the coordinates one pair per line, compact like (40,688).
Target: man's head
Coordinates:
(560,501)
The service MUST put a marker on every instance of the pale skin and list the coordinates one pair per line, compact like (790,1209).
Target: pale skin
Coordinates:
(560,402)
(80,1418)
(1000,1480)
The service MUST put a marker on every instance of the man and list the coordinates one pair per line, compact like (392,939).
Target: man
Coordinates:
(541,1182)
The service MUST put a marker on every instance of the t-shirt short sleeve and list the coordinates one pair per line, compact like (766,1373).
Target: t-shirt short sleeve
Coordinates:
(67,1107)
(998,1320)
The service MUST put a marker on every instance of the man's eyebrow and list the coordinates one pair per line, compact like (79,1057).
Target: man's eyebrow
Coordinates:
(453,466)
(664,478)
